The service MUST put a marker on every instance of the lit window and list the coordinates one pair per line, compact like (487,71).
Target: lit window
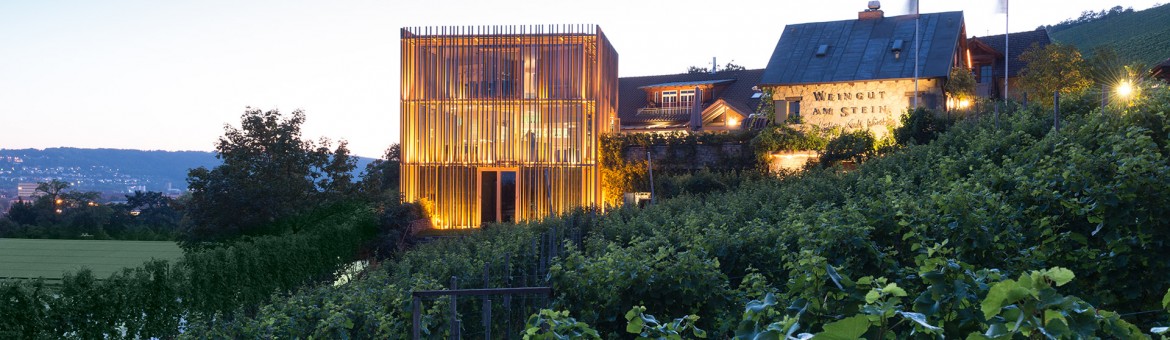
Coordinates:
(687,97)
(757,95)
(669,98)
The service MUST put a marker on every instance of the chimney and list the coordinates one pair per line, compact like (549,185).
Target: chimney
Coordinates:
(873,12)
(714,65)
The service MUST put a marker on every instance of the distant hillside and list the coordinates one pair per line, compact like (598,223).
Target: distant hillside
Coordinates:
(106,170)
(1141,36)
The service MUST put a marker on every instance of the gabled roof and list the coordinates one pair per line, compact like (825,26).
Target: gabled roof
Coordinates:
(1020,42)
(1162,70)
(862,49)
(737,94)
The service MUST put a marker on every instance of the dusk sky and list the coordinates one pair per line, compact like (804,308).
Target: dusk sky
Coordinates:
(167,75)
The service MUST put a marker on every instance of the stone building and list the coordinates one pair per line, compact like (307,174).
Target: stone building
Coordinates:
(862,73)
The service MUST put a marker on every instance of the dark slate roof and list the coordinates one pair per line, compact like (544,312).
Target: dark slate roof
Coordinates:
(861,49)
(737,94)
(1020,42)
(1162,70)
(690,83)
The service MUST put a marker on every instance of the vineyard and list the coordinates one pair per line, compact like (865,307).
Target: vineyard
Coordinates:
(986,232)
(997,228)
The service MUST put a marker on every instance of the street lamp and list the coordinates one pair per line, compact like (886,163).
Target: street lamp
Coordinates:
(1124,89)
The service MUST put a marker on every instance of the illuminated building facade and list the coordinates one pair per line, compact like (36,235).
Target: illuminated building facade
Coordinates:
(502,123)
(863,74)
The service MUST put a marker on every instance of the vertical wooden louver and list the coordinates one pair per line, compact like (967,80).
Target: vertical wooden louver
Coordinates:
(528,99)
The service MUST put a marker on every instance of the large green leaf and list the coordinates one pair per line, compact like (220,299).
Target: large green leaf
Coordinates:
(1060,275)
(846,329)
(1002,294)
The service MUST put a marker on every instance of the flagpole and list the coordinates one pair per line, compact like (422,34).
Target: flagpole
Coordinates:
(1006,46)
(917,46)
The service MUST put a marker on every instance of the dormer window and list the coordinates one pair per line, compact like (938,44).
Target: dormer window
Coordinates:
(687,97)
(669,98)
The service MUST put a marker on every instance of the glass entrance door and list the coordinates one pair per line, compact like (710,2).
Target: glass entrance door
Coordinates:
(497,196)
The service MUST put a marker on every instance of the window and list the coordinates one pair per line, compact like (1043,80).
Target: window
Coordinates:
(794,108)
(687,97)
(984,74)
(669,98)
(757,95)
(822,50)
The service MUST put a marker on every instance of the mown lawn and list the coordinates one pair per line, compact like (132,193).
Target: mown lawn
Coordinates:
(33,258)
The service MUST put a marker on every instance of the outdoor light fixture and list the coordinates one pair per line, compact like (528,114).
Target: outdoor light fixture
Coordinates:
(1124,89)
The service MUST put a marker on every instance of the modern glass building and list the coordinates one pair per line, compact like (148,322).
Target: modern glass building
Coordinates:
(502,123)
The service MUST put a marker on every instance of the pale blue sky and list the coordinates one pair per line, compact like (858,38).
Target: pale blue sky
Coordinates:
(166,75)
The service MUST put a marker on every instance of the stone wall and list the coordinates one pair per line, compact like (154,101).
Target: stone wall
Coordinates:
(873,105)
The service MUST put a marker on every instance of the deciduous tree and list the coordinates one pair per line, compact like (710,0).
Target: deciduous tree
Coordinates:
(1053,68)
(268,173)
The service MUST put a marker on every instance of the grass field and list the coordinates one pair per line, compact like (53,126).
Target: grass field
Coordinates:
(27,258)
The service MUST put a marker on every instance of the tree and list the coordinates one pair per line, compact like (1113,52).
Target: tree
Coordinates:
(960,84)
(1053,68)
(268,173)
(381,176)
(730,66)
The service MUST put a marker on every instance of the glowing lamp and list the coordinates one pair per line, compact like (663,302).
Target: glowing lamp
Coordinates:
(1125,89)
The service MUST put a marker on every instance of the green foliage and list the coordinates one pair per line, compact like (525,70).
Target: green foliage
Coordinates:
(920,126)
(618,175)
(1031,305)
(960,84)
(781,138)
(1053,68)
(549,324)
(216,284)
(380,179)
(857,147)
(648,327)
(730,66)
(650,273)
(268,173)
(69,214)
(931,229)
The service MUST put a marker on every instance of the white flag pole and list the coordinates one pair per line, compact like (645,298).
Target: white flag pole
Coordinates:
(917,15)
(1006,47)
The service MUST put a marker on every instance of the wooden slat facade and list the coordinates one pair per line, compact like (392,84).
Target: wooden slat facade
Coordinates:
(529,99)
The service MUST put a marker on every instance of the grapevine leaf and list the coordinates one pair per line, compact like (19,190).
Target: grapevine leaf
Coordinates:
(1166,300)
(1060,275)
(894,290)
(1001,294)
(634,325)
(846,329)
